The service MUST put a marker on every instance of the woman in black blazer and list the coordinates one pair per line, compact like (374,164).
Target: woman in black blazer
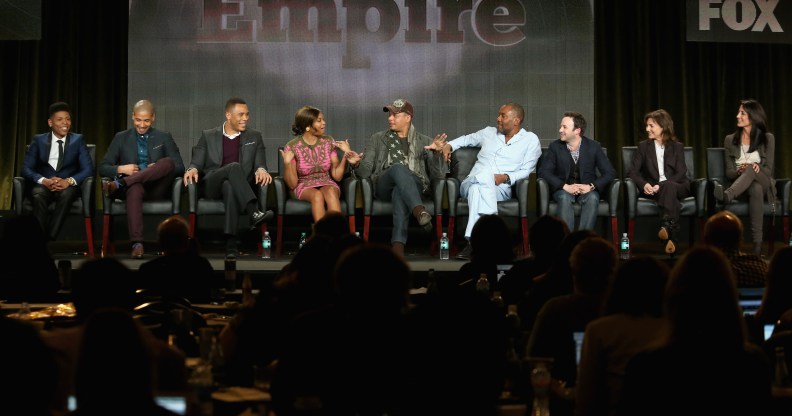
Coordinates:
(659,170)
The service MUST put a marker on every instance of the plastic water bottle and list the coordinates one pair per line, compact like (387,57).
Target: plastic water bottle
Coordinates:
(444,245)
(266,246)
(624,247)
(302,240)
(540,381)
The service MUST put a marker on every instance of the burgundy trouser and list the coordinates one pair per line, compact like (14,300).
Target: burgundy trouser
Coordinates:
(154,182)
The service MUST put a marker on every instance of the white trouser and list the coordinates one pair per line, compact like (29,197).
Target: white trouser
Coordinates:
(482,195)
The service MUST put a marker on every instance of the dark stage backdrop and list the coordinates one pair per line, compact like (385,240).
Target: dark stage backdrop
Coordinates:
(642,61)
(456,61)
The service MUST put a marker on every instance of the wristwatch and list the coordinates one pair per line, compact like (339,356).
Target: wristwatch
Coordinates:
(508,179)
(71,181)
(592,186)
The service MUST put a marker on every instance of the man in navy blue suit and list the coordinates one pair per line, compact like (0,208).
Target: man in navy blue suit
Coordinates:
(570,167)
(143,162)
(56,163)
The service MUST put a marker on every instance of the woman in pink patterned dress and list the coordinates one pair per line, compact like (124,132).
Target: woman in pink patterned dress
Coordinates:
(312,166)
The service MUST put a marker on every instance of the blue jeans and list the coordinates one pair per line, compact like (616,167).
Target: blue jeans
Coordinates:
(401,187)
(589,202)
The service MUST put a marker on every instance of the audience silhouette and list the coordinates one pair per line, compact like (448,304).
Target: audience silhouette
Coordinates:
(706,366)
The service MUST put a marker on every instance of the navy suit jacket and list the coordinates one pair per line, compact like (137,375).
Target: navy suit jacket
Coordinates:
(208,152)
(123,151)
(77,161)
(557,165)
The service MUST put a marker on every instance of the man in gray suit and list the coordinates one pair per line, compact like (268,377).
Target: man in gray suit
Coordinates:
(142,162)
(231,160)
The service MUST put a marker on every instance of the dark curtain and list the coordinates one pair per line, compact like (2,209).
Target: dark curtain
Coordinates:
(642,62)
(81,59)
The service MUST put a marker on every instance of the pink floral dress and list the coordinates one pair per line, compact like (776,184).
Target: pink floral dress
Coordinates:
(313,163)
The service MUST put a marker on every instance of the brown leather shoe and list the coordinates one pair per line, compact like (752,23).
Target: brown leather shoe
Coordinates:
(398,249)
(662,234)
(137,251)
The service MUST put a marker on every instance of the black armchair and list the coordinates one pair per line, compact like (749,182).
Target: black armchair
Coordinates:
(692,206)
(462,161)
(199,205)
(84,205)
(376,207)
(113,207)
(608,204)
(716,174)
(287,205)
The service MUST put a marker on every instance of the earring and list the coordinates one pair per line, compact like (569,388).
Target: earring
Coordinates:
(308,128)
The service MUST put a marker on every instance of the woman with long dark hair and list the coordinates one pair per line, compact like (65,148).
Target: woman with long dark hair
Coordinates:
(750,159)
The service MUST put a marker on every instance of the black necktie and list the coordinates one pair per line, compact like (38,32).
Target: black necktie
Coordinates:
(60,155)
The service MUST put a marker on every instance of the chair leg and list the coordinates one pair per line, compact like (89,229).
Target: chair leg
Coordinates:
(525,246)
(89,235)
(279,238)
(366,226)
(438,234)
(451,221)
(630,229)
(106,235)
(193,220)
(615,232)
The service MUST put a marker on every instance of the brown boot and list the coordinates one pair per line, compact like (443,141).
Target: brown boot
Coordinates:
(398,248)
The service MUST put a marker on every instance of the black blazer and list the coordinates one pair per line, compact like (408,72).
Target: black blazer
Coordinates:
(644,167)
(556,167)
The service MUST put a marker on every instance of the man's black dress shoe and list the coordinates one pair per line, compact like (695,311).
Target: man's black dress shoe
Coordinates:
(257,217)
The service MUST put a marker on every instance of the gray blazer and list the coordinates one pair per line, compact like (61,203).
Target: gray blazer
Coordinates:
(375,159)
(207,155)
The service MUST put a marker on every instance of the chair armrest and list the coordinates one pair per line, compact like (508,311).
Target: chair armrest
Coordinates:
(88,192)
(192,197)
(711,203)
(19,194)
(452,190)
(631,197)
(784,186)
(349,186)
(281,194)
(263,194)
(107,201)
(521,190)
(367,188)
(542,196)
(699,190)
(437,188)
(176,194)
(612,196)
